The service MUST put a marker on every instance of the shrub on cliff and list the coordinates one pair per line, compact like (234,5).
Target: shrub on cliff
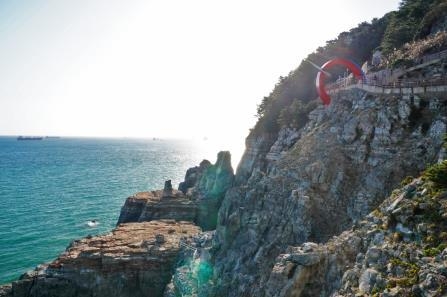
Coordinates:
(437,174)
(410,22)
(296,114)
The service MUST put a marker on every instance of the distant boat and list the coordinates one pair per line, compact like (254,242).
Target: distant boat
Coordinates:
(29,138)
(52,137)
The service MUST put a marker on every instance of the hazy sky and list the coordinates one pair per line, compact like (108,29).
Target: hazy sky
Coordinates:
(165,68)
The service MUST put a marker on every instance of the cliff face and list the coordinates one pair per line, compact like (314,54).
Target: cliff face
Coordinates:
(397,250)
(316,182)
(135,259)
(210,190)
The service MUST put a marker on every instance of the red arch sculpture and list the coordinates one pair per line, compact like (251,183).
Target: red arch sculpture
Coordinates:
(322,75)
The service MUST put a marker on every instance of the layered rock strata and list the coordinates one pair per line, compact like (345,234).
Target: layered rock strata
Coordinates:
(135,259)
(157,205)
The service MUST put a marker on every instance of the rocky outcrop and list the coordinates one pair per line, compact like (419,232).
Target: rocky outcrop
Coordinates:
(312,269)
(210,190)
(347,158)
(254,157)
(198,199)
(157,205)
(135,259)
(286,139)
(193,175)
(398,250)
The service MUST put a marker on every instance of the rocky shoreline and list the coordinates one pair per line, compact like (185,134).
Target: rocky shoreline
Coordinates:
(139,256)
(135,259)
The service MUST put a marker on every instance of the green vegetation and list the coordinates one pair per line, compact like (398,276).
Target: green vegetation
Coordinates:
(296,115)
(411,274)
(414,20)
(434,251)
(437,174)
(406,181)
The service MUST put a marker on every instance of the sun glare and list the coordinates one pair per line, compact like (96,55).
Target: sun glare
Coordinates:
(156,68)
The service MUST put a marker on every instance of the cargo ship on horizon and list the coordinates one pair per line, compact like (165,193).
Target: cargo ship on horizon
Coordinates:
(29,138)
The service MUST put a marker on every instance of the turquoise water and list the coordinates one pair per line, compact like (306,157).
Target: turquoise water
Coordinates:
(49,189)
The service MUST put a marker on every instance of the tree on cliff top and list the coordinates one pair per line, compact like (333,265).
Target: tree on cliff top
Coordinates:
(413,20)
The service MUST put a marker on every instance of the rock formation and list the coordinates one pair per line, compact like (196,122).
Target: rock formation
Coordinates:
(345,160)
(193,175)
(135,259)
(198,200)
(157,205)
(398,249)
(310,185)
(210,190)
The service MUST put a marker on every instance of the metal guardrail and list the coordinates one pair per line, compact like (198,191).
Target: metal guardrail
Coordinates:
(402,83)
(383,78)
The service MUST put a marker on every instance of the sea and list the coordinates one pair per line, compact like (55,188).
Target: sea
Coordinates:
(50,189)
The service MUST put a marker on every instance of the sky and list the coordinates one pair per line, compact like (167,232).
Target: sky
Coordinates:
(162,68)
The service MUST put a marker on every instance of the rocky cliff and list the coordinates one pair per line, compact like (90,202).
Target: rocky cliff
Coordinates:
(314,183)
(135,259)
(397,250)
(310,184)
